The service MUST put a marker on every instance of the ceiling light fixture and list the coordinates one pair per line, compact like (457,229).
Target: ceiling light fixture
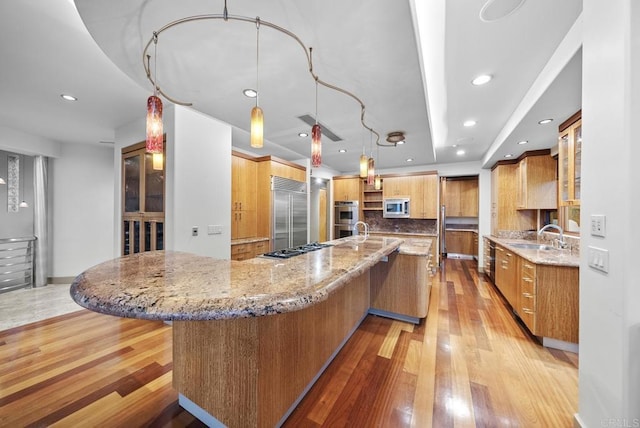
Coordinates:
(68,97)
(522,142)
(258,119)
(2,181)
(483,79)
(377,183)
(508,155)
(544,121)
(371,164)
(401,142)
(154,143)
(460,152)
(364,161)
(302,134)
(395,137)
(342,151)
(410,160)
(250,93)
(469,123)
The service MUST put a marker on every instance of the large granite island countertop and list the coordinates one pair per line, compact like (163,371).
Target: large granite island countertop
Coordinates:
(166,285)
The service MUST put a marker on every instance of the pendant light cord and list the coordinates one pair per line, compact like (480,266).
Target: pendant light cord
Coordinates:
(155,63)
(257,57)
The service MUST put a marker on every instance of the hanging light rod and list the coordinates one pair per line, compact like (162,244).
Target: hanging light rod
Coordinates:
(226,17)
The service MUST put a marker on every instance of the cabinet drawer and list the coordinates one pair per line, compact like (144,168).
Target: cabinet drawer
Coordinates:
(529,319)
(527,302)
(528,270)
(260,247)
(240,249)
(528,285)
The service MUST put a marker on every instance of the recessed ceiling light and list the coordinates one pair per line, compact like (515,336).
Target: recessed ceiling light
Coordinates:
(68,97)
(543,121)
(342,151)
(302,134)
(508,155)
(460,152)
(469,123)
(523,142)
(410,160)
(482,79)
(251,93)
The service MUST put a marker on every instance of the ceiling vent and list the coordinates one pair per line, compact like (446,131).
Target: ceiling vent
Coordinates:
(310,120)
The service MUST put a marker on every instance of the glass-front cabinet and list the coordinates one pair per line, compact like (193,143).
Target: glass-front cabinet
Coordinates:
(142,200)
(570,172)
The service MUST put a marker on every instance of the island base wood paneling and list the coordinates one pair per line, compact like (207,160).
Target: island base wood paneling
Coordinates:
(249,372)
(558,302)
(401,285)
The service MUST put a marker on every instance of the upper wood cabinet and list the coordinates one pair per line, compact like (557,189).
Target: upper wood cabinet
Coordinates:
(504,213)
(243,197)
(537,184)
(569,161)
(347,188)
(423,192)
(461,197)
(397,187)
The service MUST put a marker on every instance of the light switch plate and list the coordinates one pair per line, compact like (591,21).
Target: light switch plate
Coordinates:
(599,259)
(214,229)
(598,225)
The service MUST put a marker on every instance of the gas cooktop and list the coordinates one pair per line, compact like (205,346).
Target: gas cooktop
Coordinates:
(296,251)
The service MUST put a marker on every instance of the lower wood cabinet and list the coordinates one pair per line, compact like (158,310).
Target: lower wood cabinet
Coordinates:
(461,242)
(545,297)
(248,250)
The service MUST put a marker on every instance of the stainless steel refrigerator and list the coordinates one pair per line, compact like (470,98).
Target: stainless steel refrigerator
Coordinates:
(289,213)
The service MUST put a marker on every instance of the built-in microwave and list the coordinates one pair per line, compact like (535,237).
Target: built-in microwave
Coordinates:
(396,208)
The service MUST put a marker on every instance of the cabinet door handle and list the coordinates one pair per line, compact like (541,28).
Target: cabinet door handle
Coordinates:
(527,280)
(527,295)
(528,311)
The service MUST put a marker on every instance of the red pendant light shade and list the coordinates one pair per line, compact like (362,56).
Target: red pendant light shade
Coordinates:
(154,125)
(371,173)
(316,146)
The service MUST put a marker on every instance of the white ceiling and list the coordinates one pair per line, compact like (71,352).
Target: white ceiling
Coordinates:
(382,51)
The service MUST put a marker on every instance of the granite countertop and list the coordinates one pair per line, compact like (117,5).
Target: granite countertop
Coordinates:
(541,257)
(164,285)
(247,240)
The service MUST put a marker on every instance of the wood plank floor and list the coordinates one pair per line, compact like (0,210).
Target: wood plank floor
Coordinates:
(470,364)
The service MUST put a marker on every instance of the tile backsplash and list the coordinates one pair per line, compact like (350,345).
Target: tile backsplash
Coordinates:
(377,223)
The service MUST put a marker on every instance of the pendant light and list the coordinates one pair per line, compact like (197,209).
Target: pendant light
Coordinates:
(154,143)
(24,203)
(2,181)
(378,181)
(370,165)
(257,118)
(316,136)
(364,162)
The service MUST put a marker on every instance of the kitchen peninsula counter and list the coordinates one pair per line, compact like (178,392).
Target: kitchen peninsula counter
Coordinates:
(251,337)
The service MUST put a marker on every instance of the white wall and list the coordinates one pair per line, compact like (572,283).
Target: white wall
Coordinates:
(16,141)
(199,193)
(81,184)
(609,366)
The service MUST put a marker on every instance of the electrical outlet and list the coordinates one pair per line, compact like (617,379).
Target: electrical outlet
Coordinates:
(194,231)
(598,225)
(598,259)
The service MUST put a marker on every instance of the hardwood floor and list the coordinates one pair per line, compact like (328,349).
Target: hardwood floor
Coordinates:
(470,364)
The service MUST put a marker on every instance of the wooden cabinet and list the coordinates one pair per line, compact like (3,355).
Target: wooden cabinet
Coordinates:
(371,198)
(475,244)
(487,255)
(461,197)
(526,303)
(421,189)
(507,274)
(537,184)
(504,213)
(401,286)
(243,198)
(347,188)
(569,161)
(423,192)
(460,242)
(248,250)
(288,170)
(397,187)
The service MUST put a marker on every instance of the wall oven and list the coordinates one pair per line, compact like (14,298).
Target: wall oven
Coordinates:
(396,208)
(344,230)
(346,212)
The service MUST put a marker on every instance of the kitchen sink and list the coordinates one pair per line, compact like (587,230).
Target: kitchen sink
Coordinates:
(533,246)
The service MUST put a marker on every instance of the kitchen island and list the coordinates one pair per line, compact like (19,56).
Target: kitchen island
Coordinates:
(250,337)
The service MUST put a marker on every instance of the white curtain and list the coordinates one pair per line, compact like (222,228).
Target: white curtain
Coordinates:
(40,219)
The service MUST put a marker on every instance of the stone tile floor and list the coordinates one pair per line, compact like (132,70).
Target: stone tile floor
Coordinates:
(24,306)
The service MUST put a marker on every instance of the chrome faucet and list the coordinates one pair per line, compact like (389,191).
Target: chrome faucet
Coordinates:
(366,228)
(561,243)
